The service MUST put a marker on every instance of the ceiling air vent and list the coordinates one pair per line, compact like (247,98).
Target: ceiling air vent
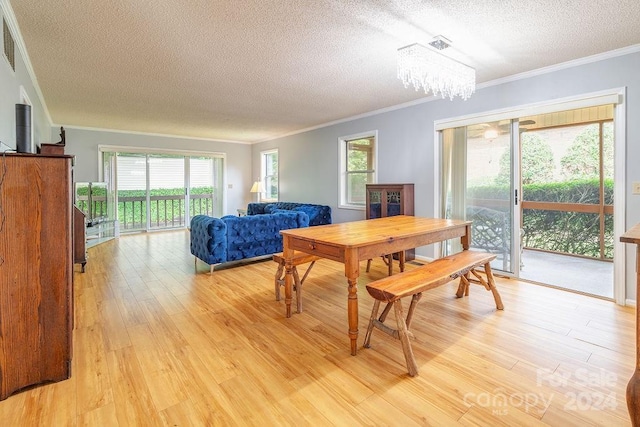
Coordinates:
(9,45)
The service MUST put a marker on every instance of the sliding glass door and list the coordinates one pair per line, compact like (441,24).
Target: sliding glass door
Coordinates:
(539,190)
(205,196)
(131,191)
(164,190)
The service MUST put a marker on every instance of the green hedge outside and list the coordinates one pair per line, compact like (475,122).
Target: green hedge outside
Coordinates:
(568,232)
(133,214)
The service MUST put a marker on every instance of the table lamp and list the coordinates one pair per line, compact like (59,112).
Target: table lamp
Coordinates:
(256,188)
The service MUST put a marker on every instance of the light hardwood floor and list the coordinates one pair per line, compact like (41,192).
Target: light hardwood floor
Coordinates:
(157,344)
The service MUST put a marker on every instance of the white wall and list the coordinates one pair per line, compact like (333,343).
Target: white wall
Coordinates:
(309,160)
(83,143)
(10,83)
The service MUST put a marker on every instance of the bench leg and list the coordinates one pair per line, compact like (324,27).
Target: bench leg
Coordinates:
(412,367)
(463,287)
(492,286)
(279,280)
(385,312)
(414,302)
(297,285)
(402,333)
(372,319)
(488,283)
(306,273)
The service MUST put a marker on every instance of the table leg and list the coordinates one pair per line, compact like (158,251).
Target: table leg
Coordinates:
(633,387)
(352,309)
(287,254)
(633,397)
(466,239)
(352,271)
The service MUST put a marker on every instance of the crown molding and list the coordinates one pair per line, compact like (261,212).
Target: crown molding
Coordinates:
(162,135)
(520,76)
(563,65)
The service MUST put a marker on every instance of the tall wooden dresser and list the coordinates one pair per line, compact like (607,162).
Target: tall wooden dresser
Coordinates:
(36,270)
(389,200)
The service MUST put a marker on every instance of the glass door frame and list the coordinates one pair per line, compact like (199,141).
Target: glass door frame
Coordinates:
(498,207)
(516,198)
(222,175)
(616,96)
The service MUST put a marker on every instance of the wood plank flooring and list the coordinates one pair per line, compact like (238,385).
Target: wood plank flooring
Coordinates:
(157,344)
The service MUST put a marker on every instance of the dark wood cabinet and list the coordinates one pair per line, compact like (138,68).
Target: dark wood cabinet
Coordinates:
(36,270)
(388,200)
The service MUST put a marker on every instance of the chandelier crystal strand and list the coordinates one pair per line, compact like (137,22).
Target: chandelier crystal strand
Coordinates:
(427,69)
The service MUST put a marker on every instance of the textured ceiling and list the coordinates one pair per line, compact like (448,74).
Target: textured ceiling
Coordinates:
(252,70)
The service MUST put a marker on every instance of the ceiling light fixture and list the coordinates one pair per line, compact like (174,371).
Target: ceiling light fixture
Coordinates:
(427,68)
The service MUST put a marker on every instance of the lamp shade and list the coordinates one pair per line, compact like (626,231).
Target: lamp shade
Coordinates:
(256,187)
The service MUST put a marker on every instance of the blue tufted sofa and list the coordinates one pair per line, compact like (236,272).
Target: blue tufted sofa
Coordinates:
(232,238)
(318,214)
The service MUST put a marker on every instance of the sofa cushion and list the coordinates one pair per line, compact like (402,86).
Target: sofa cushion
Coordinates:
(312,211)
(301,218)
(258,235)
(269,208)
(318,214)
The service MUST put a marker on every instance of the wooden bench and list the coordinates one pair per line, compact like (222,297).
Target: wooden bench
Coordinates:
(298,259)
(414,282)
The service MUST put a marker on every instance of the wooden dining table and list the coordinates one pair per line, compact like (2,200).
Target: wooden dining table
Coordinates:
(352,242)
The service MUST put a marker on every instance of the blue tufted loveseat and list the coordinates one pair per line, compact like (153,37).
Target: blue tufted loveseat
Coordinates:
(318,214)
(233,238)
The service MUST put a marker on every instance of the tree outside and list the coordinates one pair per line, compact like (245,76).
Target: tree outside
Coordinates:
(560,170)
(537,161)
(583,157)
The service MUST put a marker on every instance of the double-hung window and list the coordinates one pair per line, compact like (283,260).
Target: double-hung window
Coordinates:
(357,167)
(269,174)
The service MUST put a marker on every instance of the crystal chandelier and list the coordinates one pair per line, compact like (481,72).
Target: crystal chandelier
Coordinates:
(427,68)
